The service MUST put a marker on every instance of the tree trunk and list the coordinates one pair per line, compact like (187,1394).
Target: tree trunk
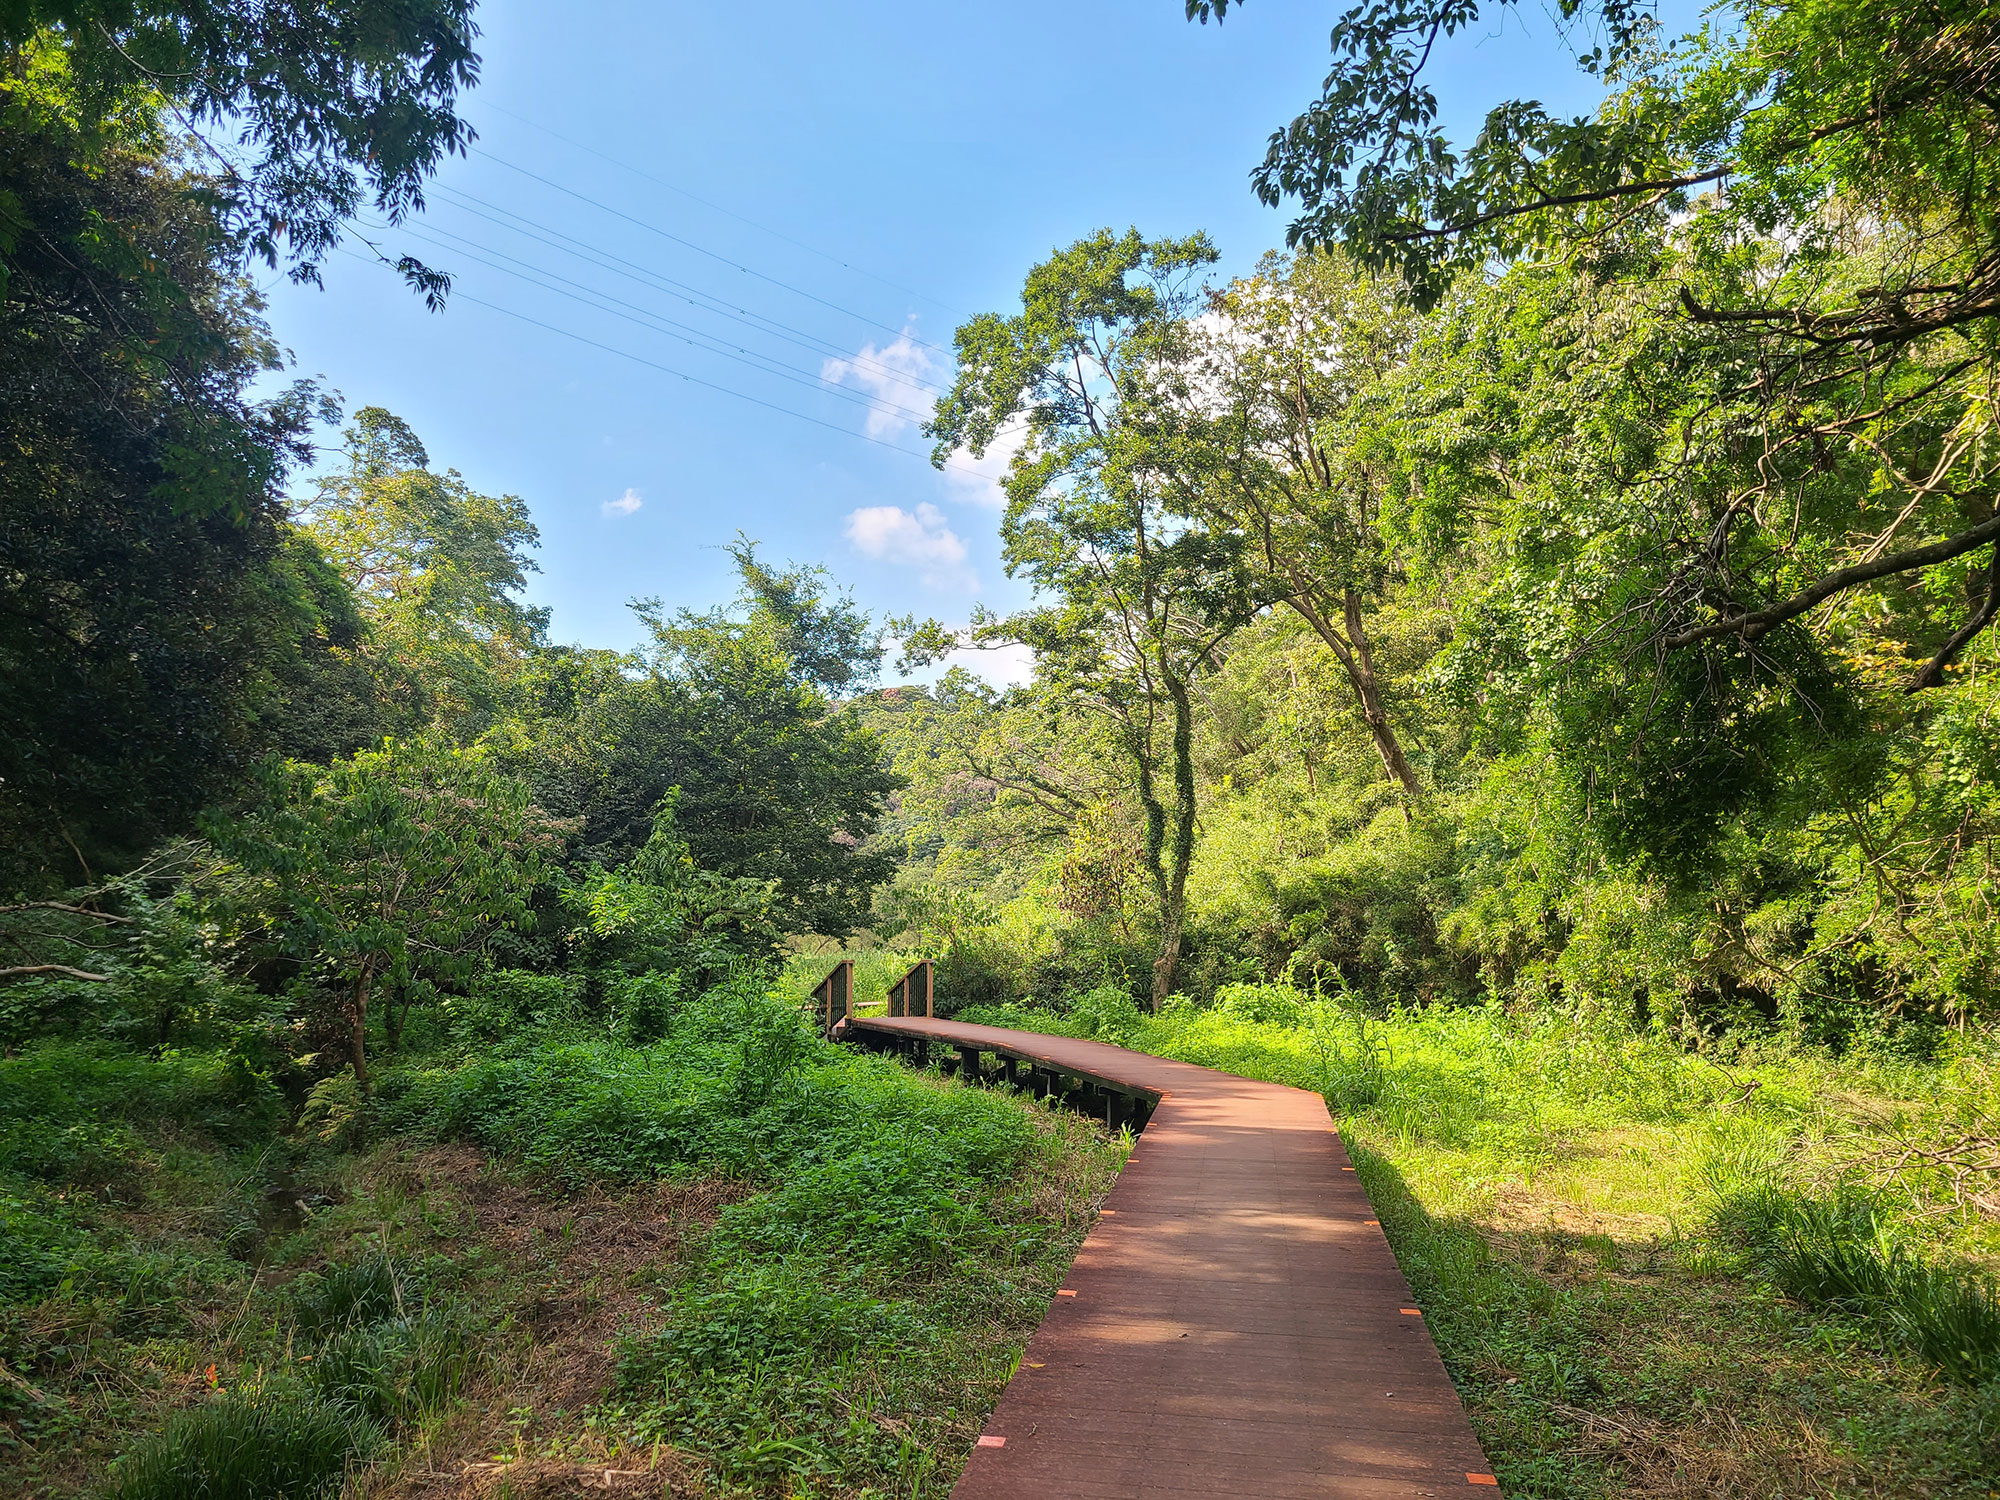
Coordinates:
(1357,660)
(357,1018)
(1180,847)
(1370,693)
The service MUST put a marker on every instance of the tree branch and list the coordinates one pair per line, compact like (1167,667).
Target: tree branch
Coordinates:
(1754,624)
(1560,200)
(1932,672)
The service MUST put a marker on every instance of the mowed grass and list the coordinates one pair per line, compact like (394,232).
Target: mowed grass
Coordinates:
(1575,1207)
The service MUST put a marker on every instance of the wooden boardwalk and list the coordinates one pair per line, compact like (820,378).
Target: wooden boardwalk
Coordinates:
(1234,1325)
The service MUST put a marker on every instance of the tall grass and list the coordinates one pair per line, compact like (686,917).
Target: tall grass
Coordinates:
(270,1443)
(1840,1252)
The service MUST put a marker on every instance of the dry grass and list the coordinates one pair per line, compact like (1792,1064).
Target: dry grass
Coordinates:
(576,1267)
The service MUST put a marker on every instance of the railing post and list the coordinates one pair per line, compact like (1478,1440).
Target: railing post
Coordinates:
(833,996)
(911,995)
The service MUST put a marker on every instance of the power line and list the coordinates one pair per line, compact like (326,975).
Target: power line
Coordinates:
(693,296)
(647,318)
(625,166)
(651,364)
(797,291)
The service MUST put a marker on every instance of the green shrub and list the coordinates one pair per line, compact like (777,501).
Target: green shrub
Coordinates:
(37,1247)
(643,1006)
(1824,1257)
(506,1001)
(66,1108)
(891,1205)
(1106,1013)
(269,1443)
(1263,1004)
(757,1317)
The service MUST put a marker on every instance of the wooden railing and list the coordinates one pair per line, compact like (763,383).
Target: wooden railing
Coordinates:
(833,996)
(911,995)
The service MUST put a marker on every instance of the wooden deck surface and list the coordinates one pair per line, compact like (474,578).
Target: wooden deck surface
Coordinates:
(1234,1325)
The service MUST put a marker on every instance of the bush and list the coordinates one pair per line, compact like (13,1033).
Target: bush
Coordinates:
(271,1441)
(36,1248)
(64,1105)
(892,1204)
(1106,1013)
(643,1006)
(506,1001)
(1951,1316)
(1262,1004)
(757,1317)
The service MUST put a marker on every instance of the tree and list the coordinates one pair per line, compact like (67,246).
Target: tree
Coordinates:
(437,569)
(776,781)
(389,867)
(154,618)
(146,591)
(1138,602)
(331,104)
(1276,444)
(1811,187)
(660,912)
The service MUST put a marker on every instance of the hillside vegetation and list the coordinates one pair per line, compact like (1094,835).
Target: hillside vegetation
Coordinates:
(1519,662)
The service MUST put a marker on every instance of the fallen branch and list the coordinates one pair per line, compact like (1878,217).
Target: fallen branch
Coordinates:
(25,970)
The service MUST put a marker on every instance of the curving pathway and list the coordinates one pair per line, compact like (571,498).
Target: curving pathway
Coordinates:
(1234,1325)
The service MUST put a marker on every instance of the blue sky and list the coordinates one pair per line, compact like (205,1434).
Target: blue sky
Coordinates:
(795,203)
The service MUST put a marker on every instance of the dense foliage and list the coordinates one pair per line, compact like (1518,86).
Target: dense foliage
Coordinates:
(1519,665)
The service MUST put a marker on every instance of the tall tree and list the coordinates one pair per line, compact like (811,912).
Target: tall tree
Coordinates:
(1274,441)
(1137,602)
(1812,187)
(438,569)
(301,110)
(153,615)
(145,589)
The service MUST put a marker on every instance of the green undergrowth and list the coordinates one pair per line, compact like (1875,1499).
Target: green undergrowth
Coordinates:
(196,1301)
(1651,1272)
(847,1326)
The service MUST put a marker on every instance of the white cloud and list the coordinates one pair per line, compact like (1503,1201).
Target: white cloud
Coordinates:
(898,379)
(918,539)
(624,505)
(1003,666)
(977,480)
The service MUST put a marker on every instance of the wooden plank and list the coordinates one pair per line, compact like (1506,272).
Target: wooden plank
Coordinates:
(1235,1325)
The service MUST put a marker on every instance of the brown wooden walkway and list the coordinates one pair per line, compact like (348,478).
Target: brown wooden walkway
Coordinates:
(1234,1325)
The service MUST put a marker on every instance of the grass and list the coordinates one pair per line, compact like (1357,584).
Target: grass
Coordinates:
(736,1259)
(1568,1201)
(271,1443)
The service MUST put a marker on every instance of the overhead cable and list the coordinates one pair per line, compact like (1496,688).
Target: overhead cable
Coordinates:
(651,364)
(647,318)
(715,255)
(625,166)
(693,296)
